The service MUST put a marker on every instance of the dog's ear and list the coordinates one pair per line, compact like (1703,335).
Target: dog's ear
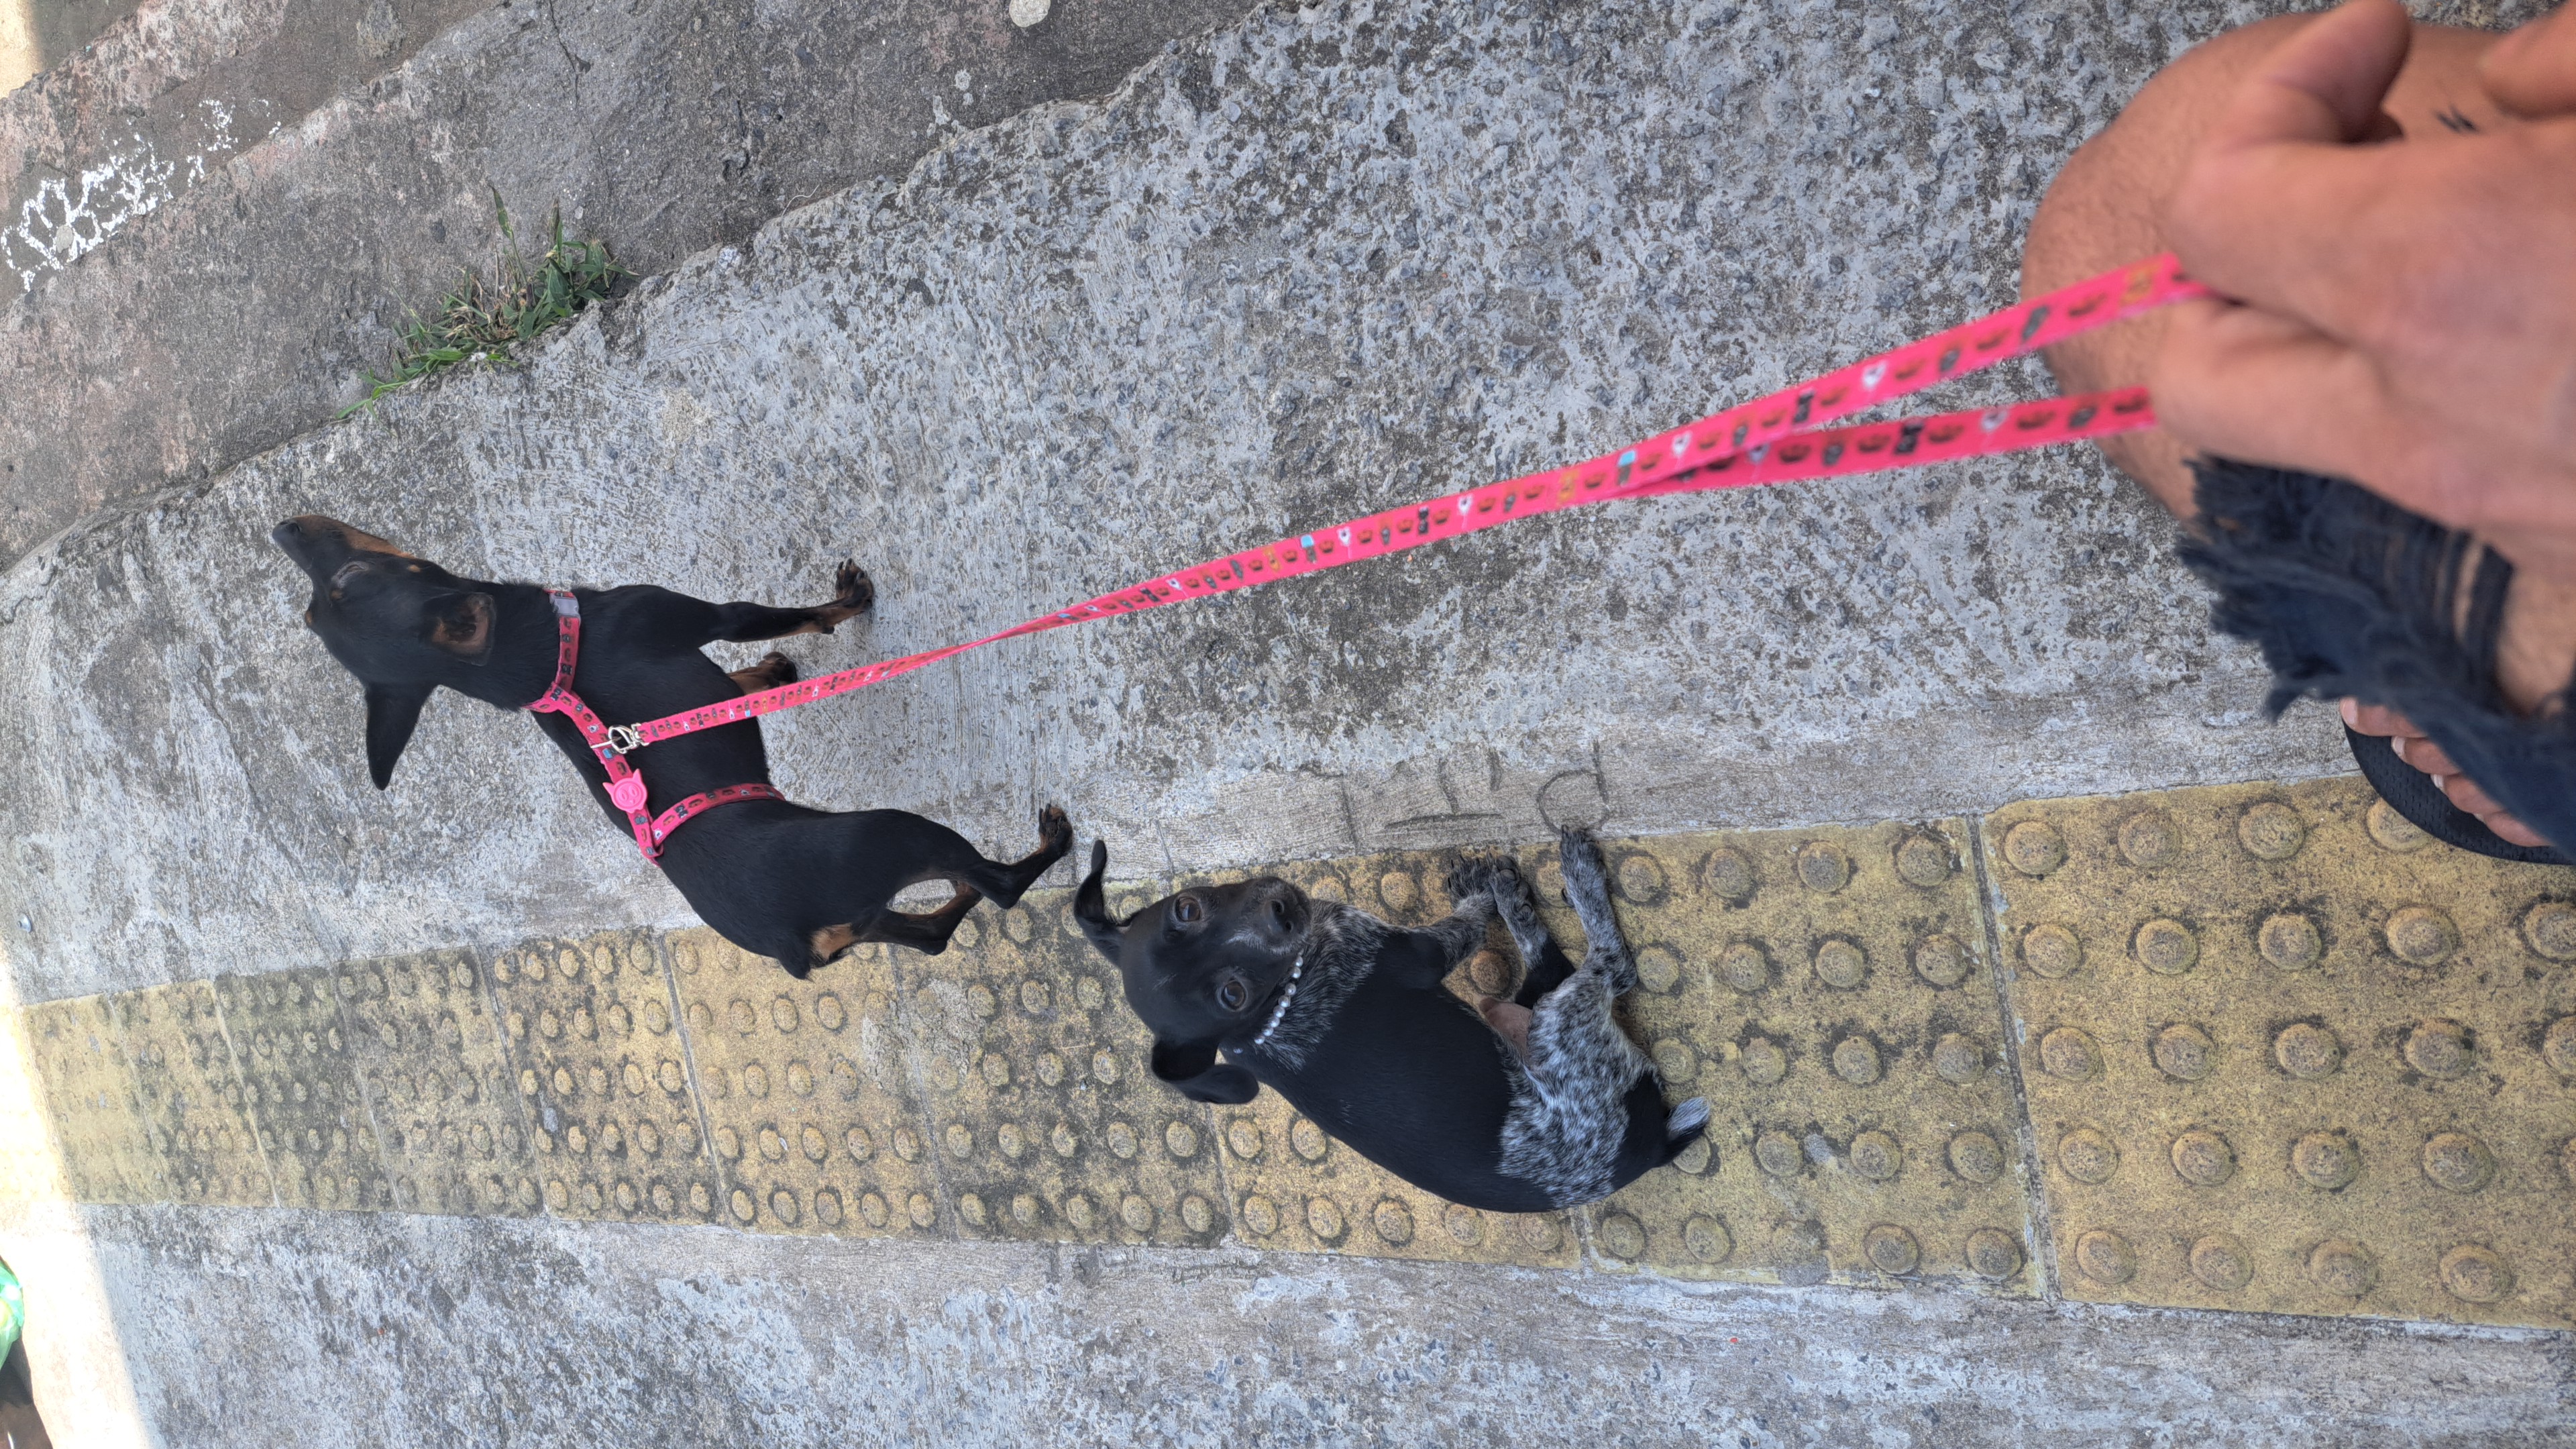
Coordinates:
(1193,1069)
(1091,907)
(393,712)
(460,623)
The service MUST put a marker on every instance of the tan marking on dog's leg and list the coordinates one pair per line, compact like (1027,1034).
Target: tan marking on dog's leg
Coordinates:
(831,941)
(1509,1020)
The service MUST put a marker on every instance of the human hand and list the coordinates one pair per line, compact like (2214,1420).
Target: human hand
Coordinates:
(2405,312)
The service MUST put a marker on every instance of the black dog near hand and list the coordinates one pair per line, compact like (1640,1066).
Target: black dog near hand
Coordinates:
(774,878)
(1522,1106)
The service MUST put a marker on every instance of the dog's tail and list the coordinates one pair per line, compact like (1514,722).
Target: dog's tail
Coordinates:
(1684,1127)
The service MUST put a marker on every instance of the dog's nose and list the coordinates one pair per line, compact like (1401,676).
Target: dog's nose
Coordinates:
(287,532)
(1279,918)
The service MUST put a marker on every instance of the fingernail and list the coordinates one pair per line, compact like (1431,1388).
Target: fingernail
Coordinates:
(2351,709)
(2397,747)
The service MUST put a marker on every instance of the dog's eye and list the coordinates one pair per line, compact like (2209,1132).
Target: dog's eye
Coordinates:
(1234,995)
(1186,909)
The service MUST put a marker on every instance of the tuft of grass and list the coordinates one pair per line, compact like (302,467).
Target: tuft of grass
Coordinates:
(481,321)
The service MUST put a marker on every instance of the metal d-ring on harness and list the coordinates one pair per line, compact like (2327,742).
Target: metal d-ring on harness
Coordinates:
(611,742)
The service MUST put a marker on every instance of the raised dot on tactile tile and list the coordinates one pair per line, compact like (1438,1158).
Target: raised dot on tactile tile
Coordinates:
(1466,1225)
(1764,1062)
(1728,875)
(1891,1249)
(2558,1046)
(1180,1139)
(1922,860)
(907,1144)
(2220,1261)
(1777,1154)
(1940,960)
(2392,830)
(1993,1253)
(1976,1156)
(1675,1060)
(2307,1050)
(1308,1140)
(827,1010)
(2165,947)
(1121,1139)
(1876,1156)
(2325,1160)
(1398,890)
(1034,998)
(2051,951)
(2067,1052)
(1639,879)
(1659,968)
(873,1210)
(2421,936)
(1540,1232)
(2458,1162)
(2088,1155)
(1196,1215)
(744,1019)
(1136,1213)
(827,1205)
(1104,1065)
(2150,838)
(1822,866)
(2105,1257)
(2475,1273)
(2034,848)
(1856,1060)
(744,1209)
(2290,941)
(1841,964)
(921,1210)
(2549,928)
(1745,966)
(1490,973)
(1324,1218)
(2439,1048)
(1958,1060)
(774,1146)
(2183,1052)
(1260,1215)
(1696,1158)
(2271,831)
(1392,1223)
(1622,1236)
(2343,1267)
(1089,993)
(2203,1158)
(1082,1212)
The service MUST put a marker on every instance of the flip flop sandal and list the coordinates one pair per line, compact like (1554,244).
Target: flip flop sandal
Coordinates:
(13,1310)
(2411,793)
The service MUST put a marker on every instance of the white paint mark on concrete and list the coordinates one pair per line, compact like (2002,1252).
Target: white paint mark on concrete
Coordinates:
(71,216)
(1025,13)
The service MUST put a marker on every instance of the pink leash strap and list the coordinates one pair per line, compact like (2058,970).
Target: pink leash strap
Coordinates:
(625,785)
(1776,439)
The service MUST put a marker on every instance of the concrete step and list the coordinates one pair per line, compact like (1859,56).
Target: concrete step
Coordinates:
(215,217)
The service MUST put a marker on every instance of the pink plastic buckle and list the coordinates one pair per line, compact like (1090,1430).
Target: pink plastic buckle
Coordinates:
(627,794)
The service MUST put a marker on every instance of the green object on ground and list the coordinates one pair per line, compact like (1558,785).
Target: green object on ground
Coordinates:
(13,1310)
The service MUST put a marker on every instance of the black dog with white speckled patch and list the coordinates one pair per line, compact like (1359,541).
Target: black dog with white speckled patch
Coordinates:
(1526,1105)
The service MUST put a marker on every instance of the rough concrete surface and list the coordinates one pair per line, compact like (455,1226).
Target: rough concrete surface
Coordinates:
(1324,262)
(281,1328)
(266,200)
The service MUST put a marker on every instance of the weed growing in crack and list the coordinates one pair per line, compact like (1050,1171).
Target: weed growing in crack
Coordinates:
(482,320)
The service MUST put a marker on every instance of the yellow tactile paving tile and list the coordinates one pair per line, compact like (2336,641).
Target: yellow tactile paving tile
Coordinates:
(603,1078)
(97,1109)
(1045,1117)
(301,1089)
(1297,1190)
(1828,991)
(808,1092)
(2284,1054)
(452,1129)
(193,1094)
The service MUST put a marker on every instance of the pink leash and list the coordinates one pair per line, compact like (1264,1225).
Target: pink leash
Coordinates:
(1776,439)
(625,785)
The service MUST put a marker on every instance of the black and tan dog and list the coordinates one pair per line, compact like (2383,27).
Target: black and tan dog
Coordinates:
(774,878)
(1514,1106)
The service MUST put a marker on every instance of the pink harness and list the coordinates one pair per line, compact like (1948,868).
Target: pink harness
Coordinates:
(625,784)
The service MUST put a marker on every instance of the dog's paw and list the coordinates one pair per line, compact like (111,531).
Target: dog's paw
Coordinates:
(852,589)
(1579,855)
(1491,876)
(1055,828)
